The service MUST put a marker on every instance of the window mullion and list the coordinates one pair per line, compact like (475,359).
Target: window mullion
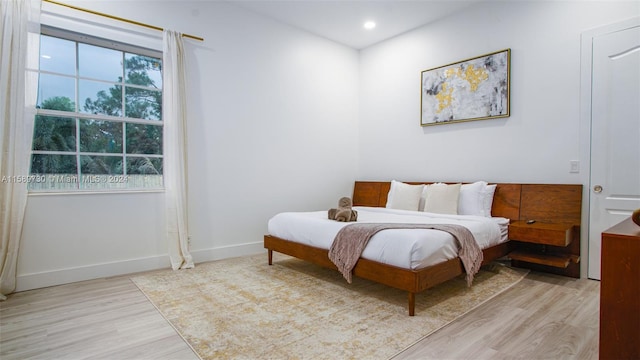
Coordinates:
(77,120)
(58,113)
(124,148)
(124,114)
(78,169)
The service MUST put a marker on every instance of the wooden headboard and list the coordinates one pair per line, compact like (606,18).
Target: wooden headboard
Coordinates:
(552,206)
(542,202)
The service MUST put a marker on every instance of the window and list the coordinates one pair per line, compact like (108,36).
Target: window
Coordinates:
(99,115)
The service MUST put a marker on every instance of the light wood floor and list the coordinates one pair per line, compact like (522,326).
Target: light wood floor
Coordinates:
(542,317)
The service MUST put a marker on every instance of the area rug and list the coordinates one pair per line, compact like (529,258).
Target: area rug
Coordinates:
(242,308)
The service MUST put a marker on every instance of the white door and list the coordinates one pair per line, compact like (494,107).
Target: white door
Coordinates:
(615,135)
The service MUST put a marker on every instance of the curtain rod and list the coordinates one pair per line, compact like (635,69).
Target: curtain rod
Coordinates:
(118,18)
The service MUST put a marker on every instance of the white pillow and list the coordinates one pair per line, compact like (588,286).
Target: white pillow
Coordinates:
(472,199)
(404,196)
(487,195)
(442,198)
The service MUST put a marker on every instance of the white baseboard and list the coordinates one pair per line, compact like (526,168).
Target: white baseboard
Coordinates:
(226,252)
(96,271)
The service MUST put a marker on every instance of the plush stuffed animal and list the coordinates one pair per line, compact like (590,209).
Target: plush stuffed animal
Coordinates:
(636,217)
(344,212)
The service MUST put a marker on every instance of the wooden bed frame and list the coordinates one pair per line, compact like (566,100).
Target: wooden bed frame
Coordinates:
(506,203)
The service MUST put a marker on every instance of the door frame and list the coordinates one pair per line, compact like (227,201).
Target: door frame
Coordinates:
(586,62)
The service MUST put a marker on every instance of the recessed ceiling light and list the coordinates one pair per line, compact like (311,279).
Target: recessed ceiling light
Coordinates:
(46,57)
(369,25)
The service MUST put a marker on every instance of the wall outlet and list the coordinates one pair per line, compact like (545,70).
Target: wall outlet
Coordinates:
(574,166)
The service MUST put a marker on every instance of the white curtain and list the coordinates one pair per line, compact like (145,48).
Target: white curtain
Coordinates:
(20,35)
(174,108)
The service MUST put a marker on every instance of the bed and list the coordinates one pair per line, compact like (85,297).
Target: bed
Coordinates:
(410,264)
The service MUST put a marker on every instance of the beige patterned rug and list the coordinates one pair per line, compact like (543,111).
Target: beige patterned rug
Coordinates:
(242,308)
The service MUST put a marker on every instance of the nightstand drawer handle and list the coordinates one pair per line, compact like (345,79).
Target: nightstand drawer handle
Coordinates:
(597,189)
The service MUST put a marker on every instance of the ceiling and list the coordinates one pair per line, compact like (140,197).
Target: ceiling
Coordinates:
(342,21)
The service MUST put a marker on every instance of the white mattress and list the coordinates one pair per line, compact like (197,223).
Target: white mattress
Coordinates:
(405,248)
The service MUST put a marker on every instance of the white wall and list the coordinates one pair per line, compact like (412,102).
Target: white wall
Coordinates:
(534,144)
(70,238)
(272,127)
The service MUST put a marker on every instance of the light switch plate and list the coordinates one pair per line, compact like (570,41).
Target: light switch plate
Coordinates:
(574,166)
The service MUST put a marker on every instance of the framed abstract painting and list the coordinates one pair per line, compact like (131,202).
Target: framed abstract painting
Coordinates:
(472,89)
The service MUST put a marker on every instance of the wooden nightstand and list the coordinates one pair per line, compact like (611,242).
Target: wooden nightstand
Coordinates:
(546,244)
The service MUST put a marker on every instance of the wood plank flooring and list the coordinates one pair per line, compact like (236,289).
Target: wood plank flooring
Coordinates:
(544,316)
(98,319)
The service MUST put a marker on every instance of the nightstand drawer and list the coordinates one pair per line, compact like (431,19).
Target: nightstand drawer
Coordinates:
(542,233)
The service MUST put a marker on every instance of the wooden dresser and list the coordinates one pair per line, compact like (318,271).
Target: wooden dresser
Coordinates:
(620,292)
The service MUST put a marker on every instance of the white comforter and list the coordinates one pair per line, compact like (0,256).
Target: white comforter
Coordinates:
(405,248)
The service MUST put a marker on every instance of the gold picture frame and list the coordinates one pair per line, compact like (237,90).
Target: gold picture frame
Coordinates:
(474,89)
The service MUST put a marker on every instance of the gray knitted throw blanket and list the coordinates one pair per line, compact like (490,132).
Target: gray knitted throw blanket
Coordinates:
(352,239)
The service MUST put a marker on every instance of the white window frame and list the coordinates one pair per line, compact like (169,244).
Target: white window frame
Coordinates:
(110,183)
